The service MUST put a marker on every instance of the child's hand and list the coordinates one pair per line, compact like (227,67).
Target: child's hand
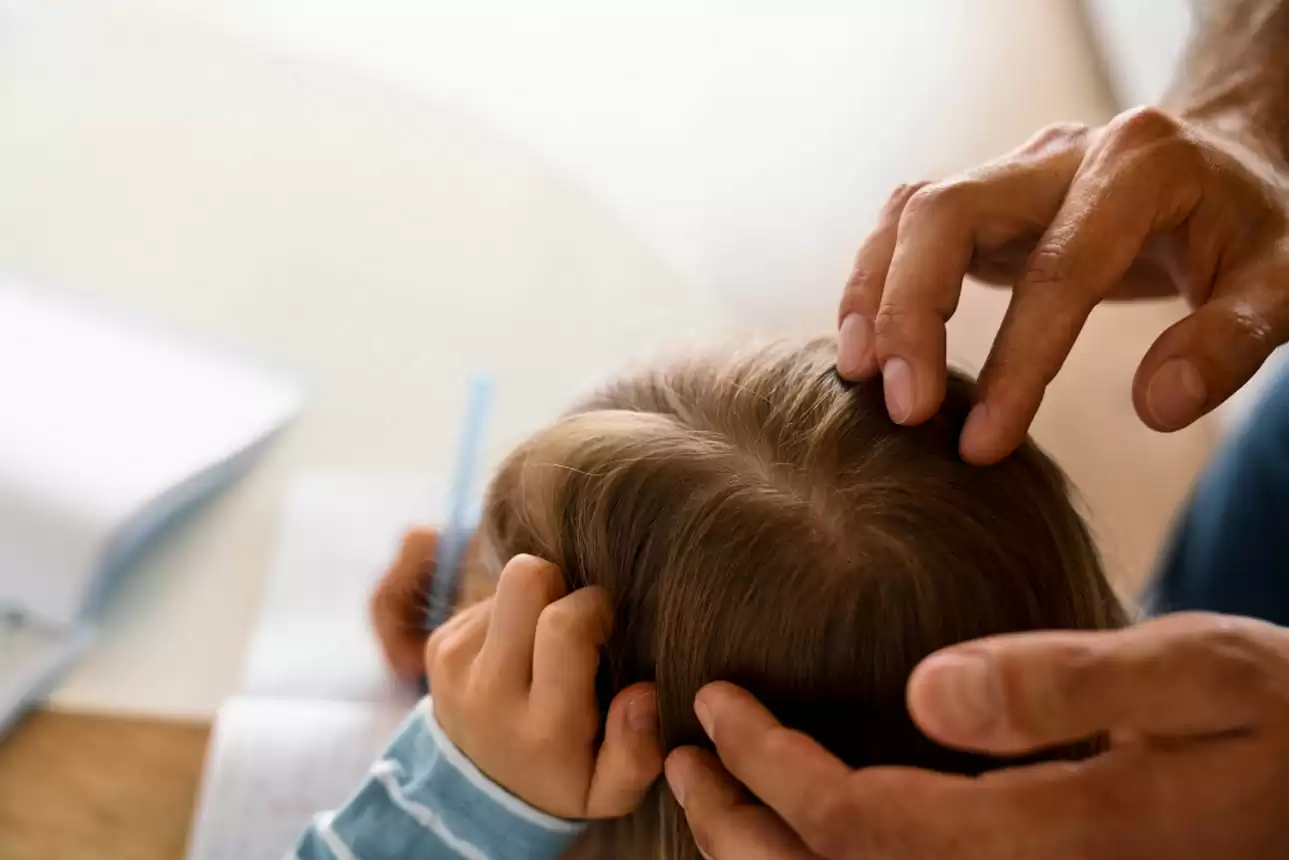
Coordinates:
(513,683)
(398,605)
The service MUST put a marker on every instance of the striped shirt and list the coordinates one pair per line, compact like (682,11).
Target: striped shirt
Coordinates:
(424,800)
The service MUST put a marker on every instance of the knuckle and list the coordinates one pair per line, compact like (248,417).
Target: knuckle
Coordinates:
(562,620)
(453,651)
(1052,269)
(434,648)
(1249,326)
(1082,672)
(1141,125)
(1240,661)
(909,329)
(1047,266)
(1031,701)
(863,279)
(949,199)
(1057,134)
(892,321)
(900,196)
(779,744)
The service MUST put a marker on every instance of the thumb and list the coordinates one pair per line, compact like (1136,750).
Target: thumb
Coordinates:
(1181,675)
(1200,361)
(630,759)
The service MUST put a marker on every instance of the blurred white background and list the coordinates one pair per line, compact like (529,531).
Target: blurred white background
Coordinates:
(390,194)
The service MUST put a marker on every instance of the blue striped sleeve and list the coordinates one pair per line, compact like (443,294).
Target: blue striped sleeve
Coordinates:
(425,799)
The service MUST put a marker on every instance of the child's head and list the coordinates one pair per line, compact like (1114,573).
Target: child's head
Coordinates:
(757,520)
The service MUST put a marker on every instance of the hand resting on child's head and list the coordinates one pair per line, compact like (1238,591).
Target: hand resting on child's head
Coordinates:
(747,516)
(513,679)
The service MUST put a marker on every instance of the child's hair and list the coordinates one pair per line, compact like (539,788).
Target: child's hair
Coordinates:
(756,519)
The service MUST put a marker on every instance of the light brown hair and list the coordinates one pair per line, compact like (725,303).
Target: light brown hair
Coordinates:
(756,519)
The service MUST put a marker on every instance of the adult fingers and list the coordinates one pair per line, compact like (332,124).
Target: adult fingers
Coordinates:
(942,227)
(566,654)
(1126,191)
(1178,676)
(630,758)
(787,770)
(725,823)
(1045,810)
(1203,359)
(398,604)
(856,353)
(527,585)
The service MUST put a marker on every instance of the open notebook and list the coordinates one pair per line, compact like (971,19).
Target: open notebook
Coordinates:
(317,705)
(111,430)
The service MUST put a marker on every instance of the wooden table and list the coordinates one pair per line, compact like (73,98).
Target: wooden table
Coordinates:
(80,787)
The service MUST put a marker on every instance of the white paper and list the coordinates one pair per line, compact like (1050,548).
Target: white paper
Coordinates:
(337,536)
(103,415)
(274,763)
(319,705)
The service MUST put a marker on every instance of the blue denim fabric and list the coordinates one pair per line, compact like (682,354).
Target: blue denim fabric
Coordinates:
(1230,550)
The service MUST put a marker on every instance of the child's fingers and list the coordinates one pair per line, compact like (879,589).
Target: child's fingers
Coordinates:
(526,587)
(399,602)
(630,758)
(451,651)
(566,654)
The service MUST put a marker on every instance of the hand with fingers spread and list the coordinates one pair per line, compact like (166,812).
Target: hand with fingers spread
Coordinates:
(1196,707)
(513,686)
(1192,201)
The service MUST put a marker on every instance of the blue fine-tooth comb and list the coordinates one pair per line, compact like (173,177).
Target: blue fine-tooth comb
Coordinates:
(459,523)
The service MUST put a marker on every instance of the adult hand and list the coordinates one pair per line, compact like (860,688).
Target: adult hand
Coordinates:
(1147,205)
(1197,707)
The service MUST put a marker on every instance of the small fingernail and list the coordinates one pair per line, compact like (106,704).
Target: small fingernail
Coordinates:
(1176,394)
(704,716)
(675,773)
(854,345)
(897,381)
(962,694)
(642,713)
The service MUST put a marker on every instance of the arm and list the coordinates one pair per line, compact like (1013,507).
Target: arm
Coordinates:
(1235,74)
(425,795)
(1189,199)
(507,763)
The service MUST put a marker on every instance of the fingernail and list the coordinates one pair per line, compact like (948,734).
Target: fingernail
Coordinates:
(676,779)
(704,716)
(960,694)
(1176,394)
(642,713)
(897,381)
(854,345)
